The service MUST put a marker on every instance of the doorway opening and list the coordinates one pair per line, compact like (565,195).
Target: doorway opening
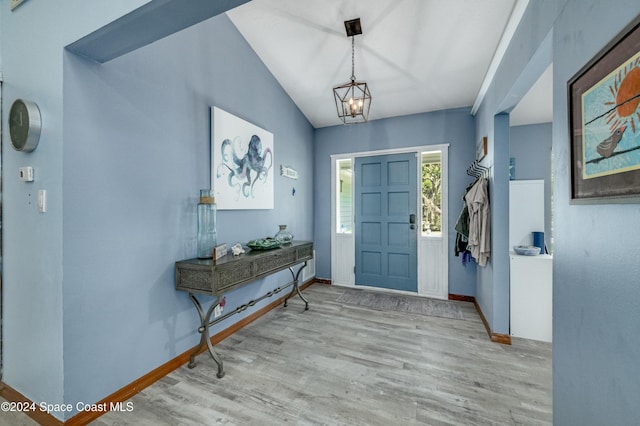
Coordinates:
(428,206)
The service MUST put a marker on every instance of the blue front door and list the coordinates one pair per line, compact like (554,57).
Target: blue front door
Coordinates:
(386,221)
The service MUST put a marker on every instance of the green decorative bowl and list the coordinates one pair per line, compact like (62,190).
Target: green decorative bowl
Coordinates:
(264,244)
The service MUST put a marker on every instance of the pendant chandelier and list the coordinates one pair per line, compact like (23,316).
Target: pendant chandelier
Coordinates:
(353,99)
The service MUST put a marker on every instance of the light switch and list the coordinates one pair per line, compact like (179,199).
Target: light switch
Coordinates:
(26,174)
(42,200)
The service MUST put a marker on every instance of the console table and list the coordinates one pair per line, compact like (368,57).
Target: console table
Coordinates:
(216,277)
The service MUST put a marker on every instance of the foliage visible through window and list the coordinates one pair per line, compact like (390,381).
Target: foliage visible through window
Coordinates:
(431,192)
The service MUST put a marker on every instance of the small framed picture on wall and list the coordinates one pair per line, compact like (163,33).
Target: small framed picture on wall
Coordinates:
(481,148)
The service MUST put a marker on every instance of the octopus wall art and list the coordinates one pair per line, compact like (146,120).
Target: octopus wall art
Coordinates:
(611,122)
(242,163)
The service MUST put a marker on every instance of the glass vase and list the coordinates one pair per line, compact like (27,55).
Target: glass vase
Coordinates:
(283,236)
(206,224)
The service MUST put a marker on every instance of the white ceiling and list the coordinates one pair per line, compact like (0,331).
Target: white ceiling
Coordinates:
(537,104)
(416,55)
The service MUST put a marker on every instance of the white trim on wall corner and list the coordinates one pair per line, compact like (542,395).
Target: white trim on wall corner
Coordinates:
(507,35)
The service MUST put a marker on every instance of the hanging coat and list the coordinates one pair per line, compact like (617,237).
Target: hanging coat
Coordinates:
(462,227)
(479,222)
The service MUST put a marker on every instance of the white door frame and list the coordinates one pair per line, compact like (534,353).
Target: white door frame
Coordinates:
(432,282)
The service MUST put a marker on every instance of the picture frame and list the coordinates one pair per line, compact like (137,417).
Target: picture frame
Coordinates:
(604,123)
(481,148)
(242,163)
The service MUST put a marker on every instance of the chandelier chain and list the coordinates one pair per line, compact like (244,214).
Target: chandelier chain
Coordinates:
(353,49)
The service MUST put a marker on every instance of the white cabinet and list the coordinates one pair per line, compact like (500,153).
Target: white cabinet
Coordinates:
(531,288)
(531,296)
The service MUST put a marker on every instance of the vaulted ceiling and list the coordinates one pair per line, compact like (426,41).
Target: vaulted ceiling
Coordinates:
(416,55)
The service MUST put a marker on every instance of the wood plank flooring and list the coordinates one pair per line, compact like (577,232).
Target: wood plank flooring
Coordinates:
(340,364)
(14,418)
(348,365)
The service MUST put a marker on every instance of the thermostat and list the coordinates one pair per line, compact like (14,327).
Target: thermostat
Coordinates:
(26,174)
(25,125)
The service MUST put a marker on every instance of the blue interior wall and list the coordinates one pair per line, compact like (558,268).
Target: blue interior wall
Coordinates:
(1,13)
(596,309)
(137,146)
(526,58)
(530,146)
(596,339)
(499,196)
(455,127)
(32,249)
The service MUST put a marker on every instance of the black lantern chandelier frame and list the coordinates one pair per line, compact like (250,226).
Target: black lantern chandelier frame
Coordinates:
(353,99)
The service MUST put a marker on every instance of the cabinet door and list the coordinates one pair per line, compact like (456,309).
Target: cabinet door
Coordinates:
(531,297)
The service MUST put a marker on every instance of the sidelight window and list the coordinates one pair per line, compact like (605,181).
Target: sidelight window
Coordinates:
(431,193)
(344,201)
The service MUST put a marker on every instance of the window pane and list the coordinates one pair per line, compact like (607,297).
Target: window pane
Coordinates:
(344,201)
(431,193)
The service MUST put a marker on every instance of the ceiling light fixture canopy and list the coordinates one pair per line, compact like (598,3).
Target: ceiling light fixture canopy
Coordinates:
(353,99)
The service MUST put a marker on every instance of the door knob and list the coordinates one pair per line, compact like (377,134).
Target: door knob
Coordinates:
(412,221)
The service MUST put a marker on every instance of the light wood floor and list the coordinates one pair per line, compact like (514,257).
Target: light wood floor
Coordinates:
(13,418)
(339,364)
(343,364)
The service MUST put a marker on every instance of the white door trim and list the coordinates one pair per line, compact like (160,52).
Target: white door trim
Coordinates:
(343,245)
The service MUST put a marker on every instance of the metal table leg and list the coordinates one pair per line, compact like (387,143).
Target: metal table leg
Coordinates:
(205,339)
(296,289)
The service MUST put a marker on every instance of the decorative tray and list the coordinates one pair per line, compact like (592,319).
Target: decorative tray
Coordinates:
(264,244)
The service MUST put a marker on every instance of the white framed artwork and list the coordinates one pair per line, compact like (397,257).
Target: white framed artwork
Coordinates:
(241,163)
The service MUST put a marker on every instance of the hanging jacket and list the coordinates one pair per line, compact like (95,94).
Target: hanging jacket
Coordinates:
(462,226)
(479,222)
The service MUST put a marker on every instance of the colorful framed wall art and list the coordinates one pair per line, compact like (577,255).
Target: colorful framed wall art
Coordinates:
(604,123)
